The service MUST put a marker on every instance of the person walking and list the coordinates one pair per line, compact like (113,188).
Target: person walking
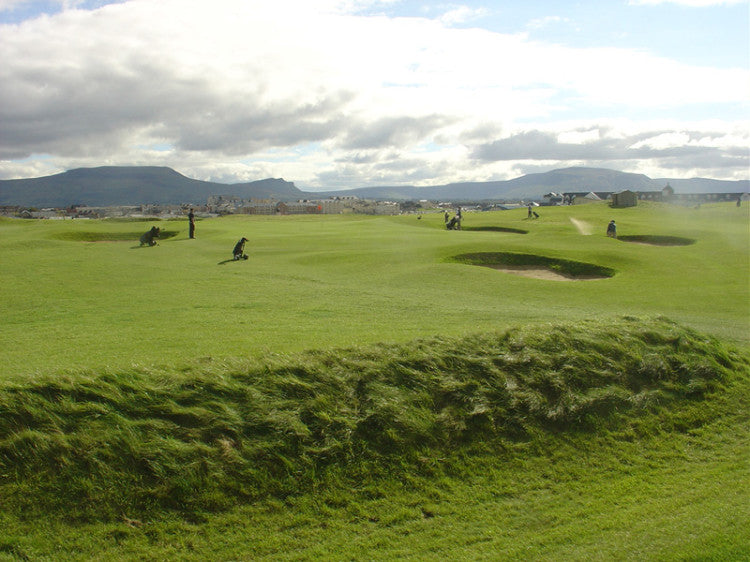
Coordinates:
(612,229)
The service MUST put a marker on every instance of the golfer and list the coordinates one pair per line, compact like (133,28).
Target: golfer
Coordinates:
(239,249)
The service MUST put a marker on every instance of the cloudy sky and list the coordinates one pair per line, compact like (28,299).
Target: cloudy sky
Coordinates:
(352,93)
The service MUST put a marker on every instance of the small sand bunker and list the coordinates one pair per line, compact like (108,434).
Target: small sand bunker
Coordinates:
(657,240)
(537,267)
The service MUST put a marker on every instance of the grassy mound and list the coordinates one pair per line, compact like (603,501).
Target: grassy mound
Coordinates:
(204,438)
(563,267)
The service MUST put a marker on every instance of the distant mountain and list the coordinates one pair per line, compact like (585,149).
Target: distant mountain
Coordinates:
(110,185)
(534,186)
(583,179)
(705,185)
(107,186)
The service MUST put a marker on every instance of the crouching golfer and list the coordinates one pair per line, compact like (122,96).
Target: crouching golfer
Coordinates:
(150,236)
(239,249)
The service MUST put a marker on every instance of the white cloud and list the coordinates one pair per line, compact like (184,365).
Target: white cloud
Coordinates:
(231,88)
(462,14)
(540,23)
(689,3)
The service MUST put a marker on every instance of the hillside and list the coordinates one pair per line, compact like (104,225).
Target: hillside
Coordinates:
(534,186)
(109,185)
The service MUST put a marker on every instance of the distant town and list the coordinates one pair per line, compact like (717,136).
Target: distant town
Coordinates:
(219,205)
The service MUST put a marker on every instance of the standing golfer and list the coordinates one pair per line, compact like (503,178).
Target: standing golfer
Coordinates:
(612,229)
(191,217)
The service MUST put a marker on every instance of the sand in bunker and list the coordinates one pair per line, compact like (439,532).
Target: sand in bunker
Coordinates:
(541,273)
(582,226)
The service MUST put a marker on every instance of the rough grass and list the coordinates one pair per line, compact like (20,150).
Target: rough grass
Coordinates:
(97,445)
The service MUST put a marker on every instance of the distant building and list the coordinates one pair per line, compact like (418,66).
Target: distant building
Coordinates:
(625,198)
(553,198)
(590,197)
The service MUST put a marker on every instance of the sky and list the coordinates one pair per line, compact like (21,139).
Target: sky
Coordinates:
(337,94)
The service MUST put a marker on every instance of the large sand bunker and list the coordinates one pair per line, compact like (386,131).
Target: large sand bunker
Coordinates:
(537,267)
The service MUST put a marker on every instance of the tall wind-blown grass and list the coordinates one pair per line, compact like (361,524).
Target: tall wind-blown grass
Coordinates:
(96,445)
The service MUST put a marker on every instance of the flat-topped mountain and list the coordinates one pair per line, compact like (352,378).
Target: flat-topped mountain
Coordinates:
(123,185)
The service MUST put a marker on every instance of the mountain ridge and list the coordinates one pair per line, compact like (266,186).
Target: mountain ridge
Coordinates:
(137,185)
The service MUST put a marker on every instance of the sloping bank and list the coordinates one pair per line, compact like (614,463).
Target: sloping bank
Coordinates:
(204,438)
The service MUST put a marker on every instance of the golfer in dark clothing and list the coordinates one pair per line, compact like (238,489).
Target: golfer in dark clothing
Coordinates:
(239,249)
(191,217)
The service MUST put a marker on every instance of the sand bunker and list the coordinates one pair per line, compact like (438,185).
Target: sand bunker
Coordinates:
(542,273)
(537,267)
(582,226)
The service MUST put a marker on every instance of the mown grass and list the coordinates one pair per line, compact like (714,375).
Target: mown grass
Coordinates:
(336,281)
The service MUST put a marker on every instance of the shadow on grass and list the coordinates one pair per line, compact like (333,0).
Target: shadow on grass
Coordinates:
(656,240)
(496,229)
(92,236)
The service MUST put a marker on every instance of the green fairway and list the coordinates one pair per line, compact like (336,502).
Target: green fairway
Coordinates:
(82,294)
(378,388)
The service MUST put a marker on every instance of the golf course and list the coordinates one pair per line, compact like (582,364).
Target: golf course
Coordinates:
(378,387)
